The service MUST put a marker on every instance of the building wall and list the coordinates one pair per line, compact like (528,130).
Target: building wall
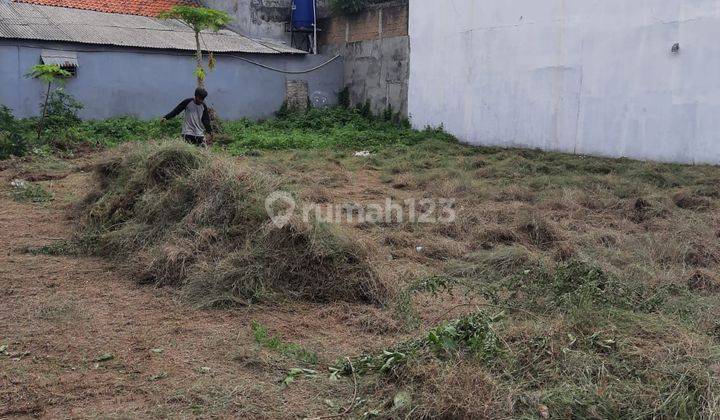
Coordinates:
(376,50)
(256,18)
(147,84)
(263,19)
(585,76)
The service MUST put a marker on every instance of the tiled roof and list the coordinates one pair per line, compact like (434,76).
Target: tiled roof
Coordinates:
(60,24)
(128,7)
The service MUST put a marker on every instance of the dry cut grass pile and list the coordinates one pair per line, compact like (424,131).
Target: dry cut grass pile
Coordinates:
(182,217)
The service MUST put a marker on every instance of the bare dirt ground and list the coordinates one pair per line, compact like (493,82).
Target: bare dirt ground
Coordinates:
(83,340)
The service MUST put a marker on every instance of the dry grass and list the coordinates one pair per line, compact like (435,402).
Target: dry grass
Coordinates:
(188,219)
(605,270)
(629,337)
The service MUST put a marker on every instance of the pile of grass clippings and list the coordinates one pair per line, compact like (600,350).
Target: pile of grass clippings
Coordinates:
(183,217)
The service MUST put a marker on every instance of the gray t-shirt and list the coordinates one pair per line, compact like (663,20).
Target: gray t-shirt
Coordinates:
(193,125)
(197,118)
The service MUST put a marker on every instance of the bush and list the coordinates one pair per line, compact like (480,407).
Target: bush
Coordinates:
(62,111)
(12,142)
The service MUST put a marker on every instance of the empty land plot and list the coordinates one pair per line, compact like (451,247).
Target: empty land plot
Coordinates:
(566,286)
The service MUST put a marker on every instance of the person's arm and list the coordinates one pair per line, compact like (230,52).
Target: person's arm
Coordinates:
(206,120)
(178,109)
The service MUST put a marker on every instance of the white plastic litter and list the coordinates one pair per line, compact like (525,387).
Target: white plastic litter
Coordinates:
(363,153)
(19,184)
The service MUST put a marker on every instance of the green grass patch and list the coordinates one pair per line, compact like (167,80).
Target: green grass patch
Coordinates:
(276,344)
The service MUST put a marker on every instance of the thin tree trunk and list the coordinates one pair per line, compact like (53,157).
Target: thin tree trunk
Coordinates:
(199,58)
(44,113)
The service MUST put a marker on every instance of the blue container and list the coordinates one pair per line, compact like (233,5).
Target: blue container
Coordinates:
(303,16)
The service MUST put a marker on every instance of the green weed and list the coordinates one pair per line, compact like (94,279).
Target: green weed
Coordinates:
(33,193)
(474,335)
(276,344)
(56,248)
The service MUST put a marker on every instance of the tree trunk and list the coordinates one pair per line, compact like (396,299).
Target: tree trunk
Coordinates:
(199,58)
(44,112)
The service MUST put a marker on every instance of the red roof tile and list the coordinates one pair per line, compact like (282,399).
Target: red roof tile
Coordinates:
(128,7)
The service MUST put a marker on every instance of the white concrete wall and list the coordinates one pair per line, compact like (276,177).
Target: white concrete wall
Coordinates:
(584,76)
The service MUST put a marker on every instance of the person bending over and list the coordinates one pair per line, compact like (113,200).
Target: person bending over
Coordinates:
(197,118)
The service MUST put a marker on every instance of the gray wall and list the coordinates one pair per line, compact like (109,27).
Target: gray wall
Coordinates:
(376,71)
(585,76)
(146,84)
(256,18)
(263,19)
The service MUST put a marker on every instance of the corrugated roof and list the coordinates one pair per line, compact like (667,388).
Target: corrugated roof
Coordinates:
(60,58)
(49,23)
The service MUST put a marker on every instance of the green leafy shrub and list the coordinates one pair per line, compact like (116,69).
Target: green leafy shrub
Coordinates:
(12,143)
(473,335)
(62,111)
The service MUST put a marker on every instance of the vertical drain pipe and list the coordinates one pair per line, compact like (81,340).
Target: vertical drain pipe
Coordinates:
(315,31)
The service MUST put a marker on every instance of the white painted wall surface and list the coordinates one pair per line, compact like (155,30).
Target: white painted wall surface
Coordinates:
(582,76)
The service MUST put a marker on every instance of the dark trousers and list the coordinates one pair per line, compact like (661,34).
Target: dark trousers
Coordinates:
(196,140)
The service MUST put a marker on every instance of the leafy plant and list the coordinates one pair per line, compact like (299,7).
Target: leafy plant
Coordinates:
(12,142)
(199,19)
(296,373)
(50,74)
(62,110)
(473,334)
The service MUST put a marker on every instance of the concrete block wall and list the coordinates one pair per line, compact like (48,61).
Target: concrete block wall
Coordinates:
(376,52)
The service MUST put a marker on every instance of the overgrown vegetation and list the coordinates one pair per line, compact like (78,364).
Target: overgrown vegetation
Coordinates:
(335,128)
(196,221)
(50,74)
(349,7)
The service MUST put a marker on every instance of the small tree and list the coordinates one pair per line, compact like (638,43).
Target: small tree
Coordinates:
(199,19)
(48,73)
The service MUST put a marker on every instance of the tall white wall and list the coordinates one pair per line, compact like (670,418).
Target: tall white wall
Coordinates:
(585,76)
